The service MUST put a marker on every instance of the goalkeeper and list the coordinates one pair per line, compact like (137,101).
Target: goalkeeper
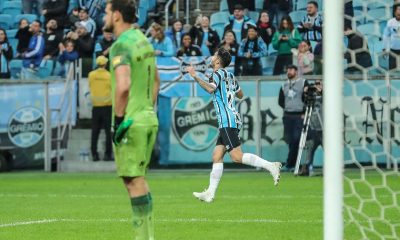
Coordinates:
(135,85)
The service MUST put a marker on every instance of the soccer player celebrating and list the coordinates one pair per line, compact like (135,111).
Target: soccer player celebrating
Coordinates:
(135,85)
(224,87)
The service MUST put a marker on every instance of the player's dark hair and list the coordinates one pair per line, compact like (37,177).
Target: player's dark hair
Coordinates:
(224,56)
(127,8)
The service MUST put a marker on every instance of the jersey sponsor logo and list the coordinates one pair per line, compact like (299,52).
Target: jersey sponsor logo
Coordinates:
(195,123)
(26,127)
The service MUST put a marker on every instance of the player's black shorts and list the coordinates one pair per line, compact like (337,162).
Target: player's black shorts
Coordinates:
(228,137)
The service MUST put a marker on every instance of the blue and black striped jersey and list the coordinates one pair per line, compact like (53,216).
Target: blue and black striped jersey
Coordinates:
(224,98)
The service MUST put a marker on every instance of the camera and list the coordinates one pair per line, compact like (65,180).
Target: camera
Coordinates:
(312,93)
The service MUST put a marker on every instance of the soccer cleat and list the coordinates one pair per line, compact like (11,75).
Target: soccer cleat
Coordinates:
(205,196)
(276,172)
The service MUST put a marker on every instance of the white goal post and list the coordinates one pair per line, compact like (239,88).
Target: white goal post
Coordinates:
(333,118)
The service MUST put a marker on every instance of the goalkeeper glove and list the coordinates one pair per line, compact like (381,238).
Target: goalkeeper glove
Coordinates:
(120,129)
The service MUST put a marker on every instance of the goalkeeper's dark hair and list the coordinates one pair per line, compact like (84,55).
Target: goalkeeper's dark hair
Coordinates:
(224,56)
(127,8)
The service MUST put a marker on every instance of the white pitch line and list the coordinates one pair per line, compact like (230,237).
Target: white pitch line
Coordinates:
(237,220)
(160,196)
(172,220)
(51,195)
(28,223)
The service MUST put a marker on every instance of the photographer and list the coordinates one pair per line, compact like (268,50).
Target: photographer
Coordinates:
(291,100)
(313,97)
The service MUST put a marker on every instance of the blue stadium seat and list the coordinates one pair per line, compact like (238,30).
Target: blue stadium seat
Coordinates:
(359,17)
(378,46)
(313,44)
(358,5)
(272,51)
(11,33)
(219,18)
(297,16)
(382,26)
(58,68)
(143,10)
(220,30)
(254,15)
(142,16)
(15,68)
(5,21)
(379,14)
(369,29)
(223,6)
(320,5)
(218,21)
(259,5)
(29,17)
(378,4)
(13,42)
(72,4)
(383,62)
(12,7)
(301,5)
(45,68)
(152,4)
(268,64)
(372,39)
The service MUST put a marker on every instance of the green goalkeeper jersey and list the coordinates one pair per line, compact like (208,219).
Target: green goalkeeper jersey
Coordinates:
(132,48)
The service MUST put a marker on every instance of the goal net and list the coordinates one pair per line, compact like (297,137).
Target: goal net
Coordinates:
(371,104)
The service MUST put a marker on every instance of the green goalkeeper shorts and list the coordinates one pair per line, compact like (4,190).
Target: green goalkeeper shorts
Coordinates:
(132,155)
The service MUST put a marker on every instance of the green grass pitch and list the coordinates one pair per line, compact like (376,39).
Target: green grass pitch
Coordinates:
(96,206)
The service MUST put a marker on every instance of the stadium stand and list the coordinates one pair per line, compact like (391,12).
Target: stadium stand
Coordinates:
(15,68)
(12,7)
(29,17)
(259,5)
(223,7)
(254,15)
(369,29)
(297,16)
(5,20)
(45,69)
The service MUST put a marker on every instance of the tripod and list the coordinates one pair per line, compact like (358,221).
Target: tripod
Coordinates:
(303,137)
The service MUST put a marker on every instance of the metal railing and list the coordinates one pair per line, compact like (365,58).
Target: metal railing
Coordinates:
(166,10)
(68,87)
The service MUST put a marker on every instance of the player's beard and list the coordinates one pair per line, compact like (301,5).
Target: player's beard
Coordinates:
(108,27)
(212,64)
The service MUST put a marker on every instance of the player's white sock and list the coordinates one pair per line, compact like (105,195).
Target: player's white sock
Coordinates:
(256,161)
(215,177)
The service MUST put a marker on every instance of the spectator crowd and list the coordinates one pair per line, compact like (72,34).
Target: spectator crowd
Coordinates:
(61,34)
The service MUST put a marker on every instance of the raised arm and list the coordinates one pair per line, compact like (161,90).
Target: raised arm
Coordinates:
(208,86)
